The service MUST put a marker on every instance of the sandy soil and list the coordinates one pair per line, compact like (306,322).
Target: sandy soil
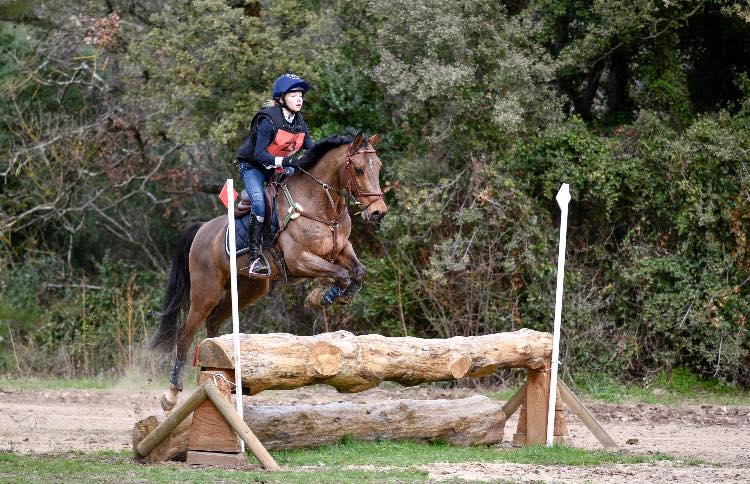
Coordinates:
(86,420)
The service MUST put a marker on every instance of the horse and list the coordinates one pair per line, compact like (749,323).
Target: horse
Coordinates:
(313,242)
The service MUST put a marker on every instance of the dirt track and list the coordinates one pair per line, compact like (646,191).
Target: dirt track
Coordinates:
(86,420)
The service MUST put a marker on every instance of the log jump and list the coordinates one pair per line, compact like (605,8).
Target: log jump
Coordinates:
(350,364)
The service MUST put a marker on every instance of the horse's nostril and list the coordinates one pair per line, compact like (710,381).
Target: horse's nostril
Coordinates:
(375,216)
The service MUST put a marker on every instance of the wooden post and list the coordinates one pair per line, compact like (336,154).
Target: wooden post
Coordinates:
(165,428)
(211,440)
(527,413)
(537,399)
(239,426)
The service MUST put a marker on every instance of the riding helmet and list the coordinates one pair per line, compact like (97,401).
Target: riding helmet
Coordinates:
(288,82)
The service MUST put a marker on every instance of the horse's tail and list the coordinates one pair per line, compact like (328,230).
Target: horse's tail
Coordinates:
(176,294)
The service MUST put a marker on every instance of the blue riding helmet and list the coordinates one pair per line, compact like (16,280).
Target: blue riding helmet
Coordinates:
(288,82)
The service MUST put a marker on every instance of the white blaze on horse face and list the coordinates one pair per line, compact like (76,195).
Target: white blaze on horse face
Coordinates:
(373,175)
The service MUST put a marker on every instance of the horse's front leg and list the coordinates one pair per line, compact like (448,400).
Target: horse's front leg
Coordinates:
(349,260)
(306,264)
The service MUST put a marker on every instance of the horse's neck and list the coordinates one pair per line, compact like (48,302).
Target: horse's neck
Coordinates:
(326,171)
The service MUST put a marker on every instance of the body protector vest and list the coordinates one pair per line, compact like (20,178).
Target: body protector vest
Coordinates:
(287,138)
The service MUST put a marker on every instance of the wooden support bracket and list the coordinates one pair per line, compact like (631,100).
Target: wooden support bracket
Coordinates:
(170,423)
(209,391)
(586,417)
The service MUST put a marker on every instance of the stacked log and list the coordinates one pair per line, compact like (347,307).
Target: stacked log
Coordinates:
(352,363)
(470,421)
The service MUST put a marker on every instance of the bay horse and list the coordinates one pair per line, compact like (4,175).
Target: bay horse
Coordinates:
(313,238)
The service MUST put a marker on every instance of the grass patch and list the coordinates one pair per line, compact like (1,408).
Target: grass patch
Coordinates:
(397,462)
(120,467)
(680,386)
(34,383)
(504,394)
(403,454)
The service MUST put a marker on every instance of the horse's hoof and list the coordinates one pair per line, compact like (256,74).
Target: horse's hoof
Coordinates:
(169,399)
(166,404)
(315,298)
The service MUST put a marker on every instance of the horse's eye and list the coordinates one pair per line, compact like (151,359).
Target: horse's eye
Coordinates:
(359,171)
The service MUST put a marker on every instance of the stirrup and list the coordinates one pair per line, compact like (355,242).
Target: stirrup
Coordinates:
(252,268)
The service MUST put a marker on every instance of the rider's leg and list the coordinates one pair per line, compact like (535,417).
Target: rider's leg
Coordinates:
(253,180)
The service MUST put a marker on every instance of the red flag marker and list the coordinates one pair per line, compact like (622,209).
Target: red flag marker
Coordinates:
(224,195)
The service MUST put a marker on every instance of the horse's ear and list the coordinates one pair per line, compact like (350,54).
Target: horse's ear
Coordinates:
(358,140)
(374,140)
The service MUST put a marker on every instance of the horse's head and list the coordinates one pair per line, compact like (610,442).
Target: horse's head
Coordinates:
(359,173)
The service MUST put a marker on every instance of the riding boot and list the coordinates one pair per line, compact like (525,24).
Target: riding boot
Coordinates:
(258,263)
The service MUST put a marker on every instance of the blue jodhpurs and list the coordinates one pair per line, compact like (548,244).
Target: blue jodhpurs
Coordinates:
(254,180)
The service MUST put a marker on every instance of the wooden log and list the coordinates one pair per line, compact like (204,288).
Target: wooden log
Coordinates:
(165,428)
(469,421)
(173,447)
(352,363)
(241,428)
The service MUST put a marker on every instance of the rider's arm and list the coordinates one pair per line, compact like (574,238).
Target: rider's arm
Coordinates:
(263,140)
(307,144)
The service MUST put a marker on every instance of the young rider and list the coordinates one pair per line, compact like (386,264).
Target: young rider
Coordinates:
(277,133)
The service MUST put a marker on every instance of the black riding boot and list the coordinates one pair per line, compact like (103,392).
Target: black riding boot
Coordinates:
(258,263)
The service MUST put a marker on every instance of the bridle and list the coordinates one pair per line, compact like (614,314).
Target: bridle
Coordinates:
(348,189)
(348,181)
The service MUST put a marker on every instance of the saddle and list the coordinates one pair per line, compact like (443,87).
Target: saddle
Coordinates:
(270,224)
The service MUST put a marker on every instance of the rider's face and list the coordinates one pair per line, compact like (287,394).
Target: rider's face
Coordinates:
(294,100)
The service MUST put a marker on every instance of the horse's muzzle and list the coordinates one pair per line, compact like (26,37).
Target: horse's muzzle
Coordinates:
(375,213)
(376,217)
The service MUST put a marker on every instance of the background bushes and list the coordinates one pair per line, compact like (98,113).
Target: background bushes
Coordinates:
(119,121)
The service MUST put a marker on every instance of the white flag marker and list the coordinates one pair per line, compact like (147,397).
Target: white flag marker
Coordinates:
(563,198)
(235,307)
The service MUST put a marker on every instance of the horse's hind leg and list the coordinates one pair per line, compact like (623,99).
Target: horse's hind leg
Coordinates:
(248,291)
(203,298)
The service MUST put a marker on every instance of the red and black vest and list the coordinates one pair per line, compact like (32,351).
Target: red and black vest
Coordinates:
(287,138)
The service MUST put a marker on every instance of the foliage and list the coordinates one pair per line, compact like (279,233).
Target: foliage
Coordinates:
(119,122)
(77,328)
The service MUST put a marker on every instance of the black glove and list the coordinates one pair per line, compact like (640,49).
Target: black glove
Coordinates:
(290,161)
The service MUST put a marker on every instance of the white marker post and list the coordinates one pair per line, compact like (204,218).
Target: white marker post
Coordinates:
(563,198)
(235,307)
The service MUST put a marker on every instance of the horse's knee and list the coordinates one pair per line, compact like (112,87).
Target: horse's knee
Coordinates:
(359,273)
(343,280)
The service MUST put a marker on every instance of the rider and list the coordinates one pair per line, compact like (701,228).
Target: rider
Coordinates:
(277,132)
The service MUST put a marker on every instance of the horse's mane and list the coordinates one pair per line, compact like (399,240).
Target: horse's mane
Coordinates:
(314,154)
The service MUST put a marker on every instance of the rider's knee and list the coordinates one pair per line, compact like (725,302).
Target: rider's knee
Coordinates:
(258,205)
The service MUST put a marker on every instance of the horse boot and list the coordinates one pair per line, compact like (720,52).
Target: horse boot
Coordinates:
(258,265)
